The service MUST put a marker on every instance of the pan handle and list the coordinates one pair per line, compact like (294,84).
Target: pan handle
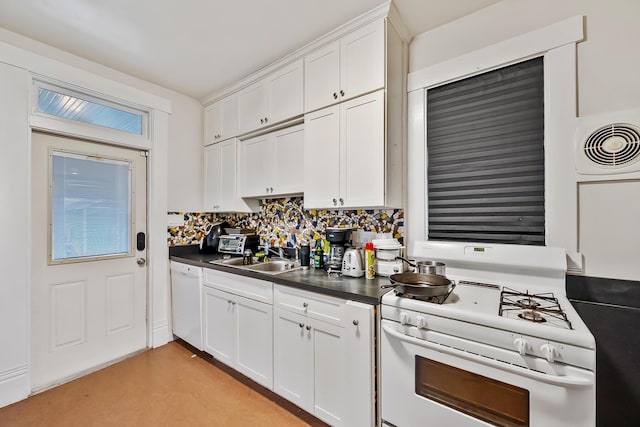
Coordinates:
(407,261)
(390,285)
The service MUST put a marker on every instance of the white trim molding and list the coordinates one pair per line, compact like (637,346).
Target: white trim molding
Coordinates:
(556,43)
(14,384)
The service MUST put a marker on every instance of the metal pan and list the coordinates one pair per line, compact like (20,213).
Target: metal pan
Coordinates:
(426,267)
(420,284)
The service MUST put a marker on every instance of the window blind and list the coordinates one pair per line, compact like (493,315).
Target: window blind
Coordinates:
(485,157)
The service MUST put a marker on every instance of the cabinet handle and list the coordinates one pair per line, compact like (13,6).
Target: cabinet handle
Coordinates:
(305,305)
(355,323)
(341,201)
(308,328)
(301,325)
(335,202)
(335,95)
(341,92)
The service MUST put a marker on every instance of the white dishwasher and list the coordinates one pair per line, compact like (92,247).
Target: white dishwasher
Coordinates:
(186,291)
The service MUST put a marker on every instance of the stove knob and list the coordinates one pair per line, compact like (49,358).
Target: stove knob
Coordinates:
(421,322)
(521,345)
(549,352)
(404,318)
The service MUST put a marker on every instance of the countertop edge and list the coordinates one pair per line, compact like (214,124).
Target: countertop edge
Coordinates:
(286,279)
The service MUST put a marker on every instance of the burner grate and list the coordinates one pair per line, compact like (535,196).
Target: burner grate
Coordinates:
(435,299)
(532,307)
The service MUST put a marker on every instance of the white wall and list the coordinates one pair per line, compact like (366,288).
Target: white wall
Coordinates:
(607,64)
(185,168)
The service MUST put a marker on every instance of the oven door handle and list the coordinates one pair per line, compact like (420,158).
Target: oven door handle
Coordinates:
(563,381)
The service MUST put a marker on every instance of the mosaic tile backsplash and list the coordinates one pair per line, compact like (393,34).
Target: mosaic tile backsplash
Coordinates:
(285,223)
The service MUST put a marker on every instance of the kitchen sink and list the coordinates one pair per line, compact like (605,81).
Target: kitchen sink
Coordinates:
(269,267)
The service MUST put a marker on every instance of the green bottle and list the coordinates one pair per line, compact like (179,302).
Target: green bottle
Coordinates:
(318,255)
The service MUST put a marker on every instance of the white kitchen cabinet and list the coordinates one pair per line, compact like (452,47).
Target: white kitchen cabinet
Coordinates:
(271,100)
(345,155)
(238,330)
(221,120)
(323,356)
(220,168)
(347,68)
(272,164)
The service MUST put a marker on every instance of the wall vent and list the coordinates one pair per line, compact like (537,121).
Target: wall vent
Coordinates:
(608,144)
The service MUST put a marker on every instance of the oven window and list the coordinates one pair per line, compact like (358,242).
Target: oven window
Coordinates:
(484,398)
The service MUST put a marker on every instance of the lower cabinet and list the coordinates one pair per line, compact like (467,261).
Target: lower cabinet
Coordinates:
(238,331)
(325,367)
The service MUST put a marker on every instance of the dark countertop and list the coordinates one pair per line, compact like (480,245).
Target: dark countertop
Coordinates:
(351,288)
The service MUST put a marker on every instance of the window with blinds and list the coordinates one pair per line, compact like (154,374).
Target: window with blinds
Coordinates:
(485,157)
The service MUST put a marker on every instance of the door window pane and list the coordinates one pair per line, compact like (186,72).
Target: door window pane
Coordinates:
(90,207)
(82,110)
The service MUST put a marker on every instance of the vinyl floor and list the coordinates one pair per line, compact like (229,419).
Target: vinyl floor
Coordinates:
(166,386)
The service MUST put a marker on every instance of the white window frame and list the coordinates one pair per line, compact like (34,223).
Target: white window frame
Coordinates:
(557,44)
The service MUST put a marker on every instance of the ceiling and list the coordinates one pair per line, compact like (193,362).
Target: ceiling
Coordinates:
(197,47)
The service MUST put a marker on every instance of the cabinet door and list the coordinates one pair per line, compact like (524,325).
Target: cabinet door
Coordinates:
(362,151)
(255,340)
(322,77)
(285,93)
(212,177)
(288,172)
(253,104)
(359,364)
(362,61)
(331,400)
(257,166)
(218,310)
(322,158)
(212,123)
(229,119)
(227,172)
(293,358)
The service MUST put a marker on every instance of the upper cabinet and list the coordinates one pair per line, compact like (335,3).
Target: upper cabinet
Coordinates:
(220,120)
(271,164)
(271,100)
(347,68)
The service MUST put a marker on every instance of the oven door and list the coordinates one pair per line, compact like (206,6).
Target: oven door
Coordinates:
(425,383)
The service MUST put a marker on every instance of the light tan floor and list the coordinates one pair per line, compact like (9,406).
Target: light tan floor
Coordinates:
(160,387)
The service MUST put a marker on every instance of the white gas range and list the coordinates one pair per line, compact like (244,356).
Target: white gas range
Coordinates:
(504,348)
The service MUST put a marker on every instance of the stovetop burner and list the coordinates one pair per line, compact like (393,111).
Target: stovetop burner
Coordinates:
(537,308)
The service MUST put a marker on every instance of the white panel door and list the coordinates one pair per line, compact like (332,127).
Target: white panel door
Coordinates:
(253,105)
(88,292)
(330,376)
(257,166)
(293,358)
(227,168)
(285,93)
(288,173)
(322,158)
(322,77)
(218,312)
(212,185)
(254,326)
(362,61)
(362,176)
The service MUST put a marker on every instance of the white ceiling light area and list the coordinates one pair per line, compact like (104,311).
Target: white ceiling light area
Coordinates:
(197,47)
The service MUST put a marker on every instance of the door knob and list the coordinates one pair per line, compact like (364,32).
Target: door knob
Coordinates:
(141,261)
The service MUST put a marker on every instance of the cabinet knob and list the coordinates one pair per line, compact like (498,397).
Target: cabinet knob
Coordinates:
(356,323)
(335,95)
(305,305)
(266,119)
(341,201)
(341,92)
(262,121)
(335,202)
(270,189)
(308,328)
(301,325)
(266,189)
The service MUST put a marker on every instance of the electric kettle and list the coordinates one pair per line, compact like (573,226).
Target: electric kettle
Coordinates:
(352,263)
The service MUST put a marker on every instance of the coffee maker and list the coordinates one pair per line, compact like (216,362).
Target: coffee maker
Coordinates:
(338,238)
